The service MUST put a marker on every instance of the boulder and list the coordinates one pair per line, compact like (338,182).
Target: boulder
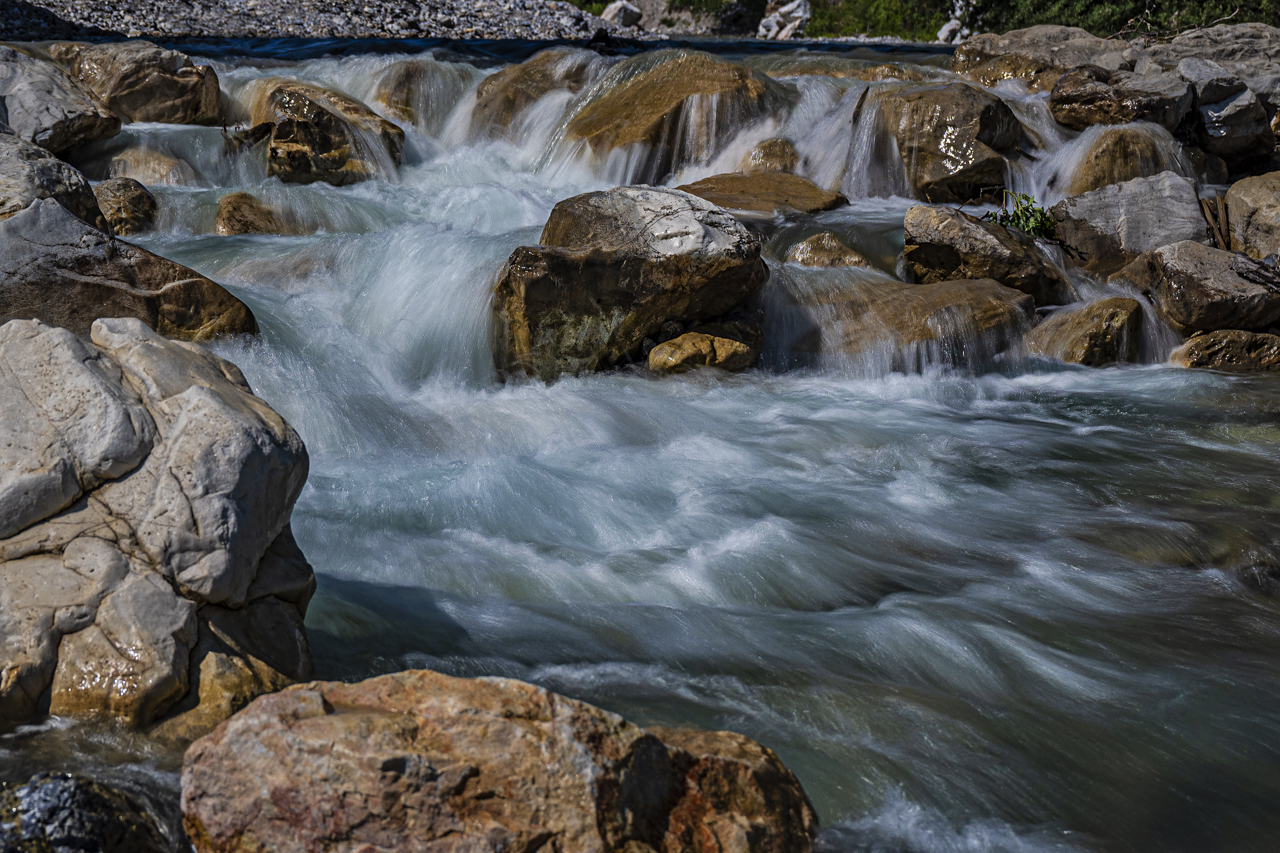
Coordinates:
(613,267)
(952,139)
(144,164)
(127,205)
(622,14)
(1036,55)
(242,213)
(1118,154)
(29,172)
(1091,95)
(146,494)
(322,135)
(139,81)
(1210,81)
(422,761)
(772,155)
(674,107)
(825,250)
(57,269)
(504,95)
(1230,350)
(423,92)
(1095,335)
(65,812)
(1107,228)
(943,244)
(1231,121)
(1197,288)
(728,346)
(765,192)
(784,19)
(1253,214)
(1229,45)
(46,107)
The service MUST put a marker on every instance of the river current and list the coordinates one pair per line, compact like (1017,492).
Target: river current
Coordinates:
(1017,607)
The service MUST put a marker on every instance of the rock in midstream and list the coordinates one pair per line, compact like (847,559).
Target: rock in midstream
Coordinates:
(504,95)
(729,346)
(419,761)
(825,250)
(45,106)
(29,172)
(1091,95)
(55,268)
(1230,350)
(423,92)
(139,81)
(765,192)
(127,205)
(1253,214)
(147,569)
(612,268)
(70,813)
(1095,335)
(243,213)
(1119,154)
(772,155)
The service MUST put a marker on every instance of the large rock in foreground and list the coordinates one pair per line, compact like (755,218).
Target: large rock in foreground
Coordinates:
(613,267)
(418,761)
(47,107)
(57,269)
(142,82)
(146,562)
(70,813)
(29,172)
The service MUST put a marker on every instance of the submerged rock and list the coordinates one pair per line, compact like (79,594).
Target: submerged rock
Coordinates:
(1091,95)
(1253,213)
(613,267)
(825,250)
(423,92)
(142,82)
(29,172)
(57,269)
(242,213)
(423,761)
(1231,350)
(728,346)
(946,245)
(504,95)
(46,107)
(70,813)
(1119,154)
(765,192)
(1095,335)
(1037,55)
(772,155)
(127,205)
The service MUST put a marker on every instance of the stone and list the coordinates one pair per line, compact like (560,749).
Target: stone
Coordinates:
(765,192)
(423,92)
(55,268)
(622,13)
(1091,95)
(127,205)
(139,81)
(1253,215)
(323,135)
(1107,228)
(772,155)
(784,19)
(1197,288)
(613,267)
(1119,154)
(1104,332)
(952,140)
(1212,83)
(1230,350)
(46,107)
(29,172)
(943,244)
(65,812)
(1237,129)
(825,250)
(242,213)
(140,162)
(505,95)
(1037,55)
(421,761)
(701,349)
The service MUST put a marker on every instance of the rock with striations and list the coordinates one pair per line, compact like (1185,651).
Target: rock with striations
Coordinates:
(29,173)
(145,552)
(943,244)
(825,250)
(321,135)
(1037,55)
(142,82)
(45,106)
(418,761)
(1105,229)
(1104,332)
(952,138)
(57,269)
(423,92)
(612,268)
(503,96)
(1197,288)
(243,213)
(1091,95)
(765,192)
(1253,214)
(1230,350)
(729,346)
(70,813)
(1117,154)
(127,205)
(772,155)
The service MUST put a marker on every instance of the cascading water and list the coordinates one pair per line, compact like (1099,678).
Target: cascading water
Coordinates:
(991,609)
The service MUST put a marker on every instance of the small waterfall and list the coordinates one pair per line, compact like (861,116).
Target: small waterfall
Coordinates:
(874,168)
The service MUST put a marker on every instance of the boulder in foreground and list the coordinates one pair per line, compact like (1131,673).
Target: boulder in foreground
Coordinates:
(70,813)
(418,761)
(1230,350)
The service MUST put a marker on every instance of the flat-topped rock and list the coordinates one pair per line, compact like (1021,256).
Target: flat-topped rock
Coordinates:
(139,81)
(1038,55)
(765,192)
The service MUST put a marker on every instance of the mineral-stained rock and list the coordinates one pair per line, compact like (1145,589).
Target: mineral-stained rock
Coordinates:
(765,192)
(1091,95)
(242,213)
(1197,288)
(1119,154)
(423,92)
(1230,349)
(55,268)
(142,82)
(29,172)
(1038,55)
(126,204)
(613,267)
(66,812)
(1253,211)
(825,250)
(47,107)
(733,347)
(943,244)
(504,95)
(418,761)
(772,155)
(1105,229)
(1095,335)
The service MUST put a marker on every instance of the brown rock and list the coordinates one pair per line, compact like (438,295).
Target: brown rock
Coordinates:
(1091,95)
(765,192)
(1121,154)
(772,155)
(1098,334)
(127,205)
(418,761)
(423,92)
(242,213)
(142,82)
(503,96)
(825,250)
(703,348)
(144,164)
(1253,212)
(1230,349)
(1037,55)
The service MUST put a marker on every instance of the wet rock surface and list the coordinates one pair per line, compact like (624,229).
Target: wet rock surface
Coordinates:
(1230,350)
(423,92)
(45,106)
(29,173)
(772,155)
(1098,334)
(504,95)
(242,213)
(1039,55)
(729,346)
(825,250)
(1253,207)
(765,192)
(1091,95)
(1119,154)
(70,813)
(127,205)
(139,81)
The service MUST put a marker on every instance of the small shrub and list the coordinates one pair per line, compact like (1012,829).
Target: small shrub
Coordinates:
(1025,215)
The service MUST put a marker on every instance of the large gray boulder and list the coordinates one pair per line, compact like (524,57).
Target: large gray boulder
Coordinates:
(1253,213)
(1091,95)
(142,82)
(55,268)
(1105,229)
(612,268)
(146,495)
(47,107)
(1231,121)
(29,172)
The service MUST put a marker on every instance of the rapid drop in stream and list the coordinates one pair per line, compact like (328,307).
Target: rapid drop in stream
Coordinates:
(1014,606)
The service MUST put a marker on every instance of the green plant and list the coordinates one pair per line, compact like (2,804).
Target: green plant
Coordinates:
(910,19)
(1126,18)
(1025,215)
(667,22)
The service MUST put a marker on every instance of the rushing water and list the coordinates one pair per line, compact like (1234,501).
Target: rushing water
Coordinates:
(1019,608)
